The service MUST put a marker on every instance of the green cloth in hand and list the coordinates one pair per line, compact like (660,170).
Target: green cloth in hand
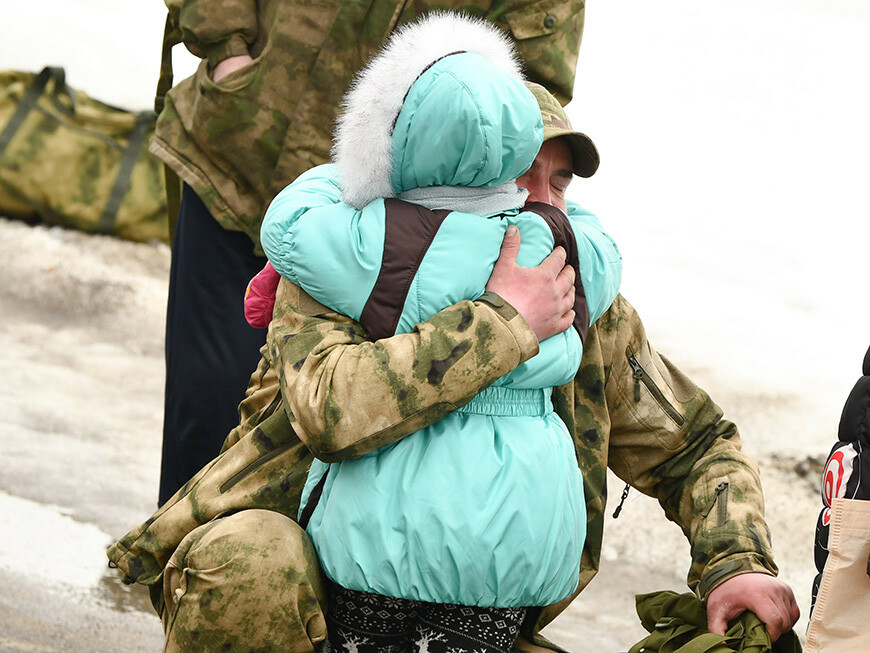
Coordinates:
(677,623)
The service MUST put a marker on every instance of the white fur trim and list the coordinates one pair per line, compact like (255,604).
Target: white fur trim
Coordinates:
(363,138)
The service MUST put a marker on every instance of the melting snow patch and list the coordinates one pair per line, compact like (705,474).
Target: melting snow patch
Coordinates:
(39,540)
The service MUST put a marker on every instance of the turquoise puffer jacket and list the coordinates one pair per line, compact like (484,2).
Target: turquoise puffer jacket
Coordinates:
(452,513)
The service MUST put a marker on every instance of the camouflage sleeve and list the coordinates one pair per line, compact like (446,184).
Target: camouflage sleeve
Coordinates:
(216,29)
(670,441)
(347,396)
(262,398)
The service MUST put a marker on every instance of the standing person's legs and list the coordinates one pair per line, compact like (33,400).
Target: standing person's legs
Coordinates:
(211,350)
(246,582)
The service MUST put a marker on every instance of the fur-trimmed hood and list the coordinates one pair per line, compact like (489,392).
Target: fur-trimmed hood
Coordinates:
(442,104)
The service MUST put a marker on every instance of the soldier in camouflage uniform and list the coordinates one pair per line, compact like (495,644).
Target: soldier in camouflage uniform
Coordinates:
(257,113)
(228,567)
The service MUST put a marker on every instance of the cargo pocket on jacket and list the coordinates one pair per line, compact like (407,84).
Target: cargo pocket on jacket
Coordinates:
(534,19)
(237,125)
(719,501)
(547,35)
(643,378)
(251,467)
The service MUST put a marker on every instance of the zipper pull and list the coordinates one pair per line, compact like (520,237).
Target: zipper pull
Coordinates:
(621,501)
(719,490)
(637,373)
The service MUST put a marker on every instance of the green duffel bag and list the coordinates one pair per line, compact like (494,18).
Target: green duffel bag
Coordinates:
(67,159)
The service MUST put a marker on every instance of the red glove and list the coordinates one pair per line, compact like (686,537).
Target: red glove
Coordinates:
(260,297)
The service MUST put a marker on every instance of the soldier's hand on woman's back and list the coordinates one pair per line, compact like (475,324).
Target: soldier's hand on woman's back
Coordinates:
(543,295)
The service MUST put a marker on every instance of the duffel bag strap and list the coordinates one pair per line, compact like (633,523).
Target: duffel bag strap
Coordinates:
(171,38)
(31,96)
(144,121)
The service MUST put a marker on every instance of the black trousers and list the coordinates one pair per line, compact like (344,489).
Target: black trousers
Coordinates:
(211,350)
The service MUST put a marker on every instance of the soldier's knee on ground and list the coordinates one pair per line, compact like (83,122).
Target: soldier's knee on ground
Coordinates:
(247,581)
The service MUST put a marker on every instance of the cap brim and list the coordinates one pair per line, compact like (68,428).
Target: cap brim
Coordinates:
(583,150)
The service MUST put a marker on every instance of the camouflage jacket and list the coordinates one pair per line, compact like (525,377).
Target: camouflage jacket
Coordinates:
(628,409)
(239,142)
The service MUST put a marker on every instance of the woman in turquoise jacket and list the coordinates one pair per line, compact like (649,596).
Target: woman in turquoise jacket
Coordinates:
(446,537)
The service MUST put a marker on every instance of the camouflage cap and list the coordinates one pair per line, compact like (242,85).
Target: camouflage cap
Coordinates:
(556,123)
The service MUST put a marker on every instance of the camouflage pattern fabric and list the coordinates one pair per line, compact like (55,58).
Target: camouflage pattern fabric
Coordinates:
(68,159)
(678,622)
(628,408)
(245,582)
(238,143)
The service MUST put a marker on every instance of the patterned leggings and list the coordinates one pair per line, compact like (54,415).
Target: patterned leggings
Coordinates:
(371,623)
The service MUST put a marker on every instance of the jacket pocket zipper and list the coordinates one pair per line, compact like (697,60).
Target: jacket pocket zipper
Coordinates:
(250,467)
(720,497)
(640,376)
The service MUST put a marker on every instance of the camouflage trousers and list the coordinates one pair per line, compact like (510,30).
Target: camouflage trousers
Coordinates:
(246,582)
(249,582)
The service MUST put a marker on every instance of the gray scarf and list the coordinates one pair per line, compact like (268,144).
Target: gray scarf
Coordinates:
(478,201)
